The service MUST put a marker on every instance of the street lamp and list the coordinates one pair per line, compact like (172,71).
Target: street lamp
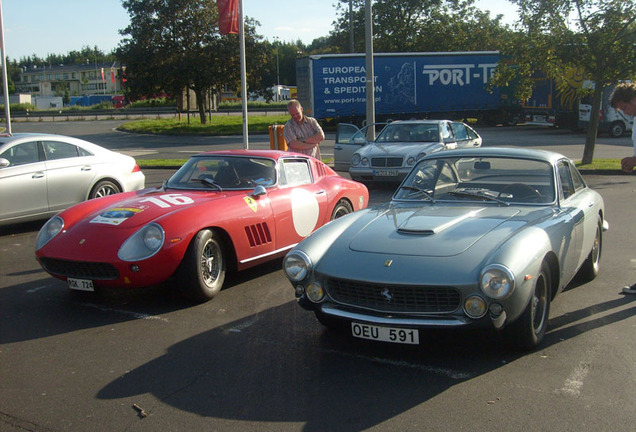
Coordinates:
(277,44)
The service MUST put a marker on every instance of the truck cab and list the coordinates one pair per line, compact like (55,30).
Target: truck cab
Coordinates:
(613,122)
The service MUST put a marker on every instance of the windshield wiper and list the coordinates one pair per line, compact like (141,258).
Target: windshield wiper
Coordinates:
(419,192)
(477,194)
(208,182)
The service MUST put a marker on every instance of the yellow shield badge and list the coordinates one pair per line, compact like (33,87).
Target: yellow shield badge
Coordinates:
(251,203)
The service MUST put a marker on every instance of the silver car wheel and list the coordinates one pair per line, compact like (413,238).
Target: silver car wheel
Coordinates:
(104,188)
(528,330)
(589,269)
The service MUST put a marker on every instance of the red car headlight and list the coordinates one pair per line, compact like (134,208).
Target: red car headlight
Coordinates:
(143,244)
(50,229)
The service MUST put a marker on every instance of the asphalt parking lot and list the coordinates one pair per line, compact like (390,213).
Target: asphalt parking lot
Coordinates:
(252,360)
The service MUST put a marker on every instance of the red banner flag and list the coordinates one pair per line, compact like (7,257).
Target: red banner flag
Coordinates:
(112,75)
(228,16)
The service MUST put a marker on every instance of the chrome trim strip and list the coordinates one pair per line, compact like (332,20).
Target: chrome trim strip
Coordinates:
(268,254)
(414,322)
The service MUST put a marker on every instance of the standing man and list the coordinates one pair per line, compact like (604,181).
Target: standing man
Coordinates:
(303,134)
(624,98)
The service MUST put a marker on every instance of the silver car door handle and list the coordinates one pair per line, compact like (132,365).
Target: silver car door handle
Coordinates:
(87,168)
(590,204)
(37,175)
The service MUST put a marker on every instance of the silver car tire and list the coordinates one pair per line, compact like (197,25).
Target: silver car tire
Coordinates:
(104,188)
(527,332)
(202,271)
(591,265)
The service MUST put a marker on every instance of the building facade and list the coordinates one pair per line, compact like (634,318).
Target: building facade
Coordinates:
(79,80)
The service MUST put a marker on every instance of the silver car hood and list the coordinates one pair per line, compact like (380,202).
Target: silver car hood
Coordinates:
(429,231)
(397,149)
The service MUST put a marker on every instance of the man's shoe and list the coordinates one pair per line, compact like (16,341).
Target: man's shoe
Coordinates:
(629,289)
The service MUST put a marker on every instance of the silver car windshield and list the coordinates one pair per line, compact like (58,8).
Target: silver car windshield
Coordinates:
(405,133)
(496,179)
(224,172)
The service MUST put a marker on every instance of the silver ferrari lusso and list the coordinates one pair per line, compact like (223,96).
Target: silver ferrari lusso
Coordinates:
(483,237)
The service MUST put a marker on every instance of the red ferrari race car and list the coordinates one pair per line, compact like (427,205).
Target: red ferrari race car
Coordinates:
(222,210)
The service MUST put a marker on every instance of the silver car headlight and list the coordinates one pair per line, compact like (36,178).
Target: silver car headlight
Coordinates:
(364,161)
(421,155)
(410,161)
(355,159)
(50,229)
(475,307)
(297,266)
(497,281)
(143,244)
(315,293)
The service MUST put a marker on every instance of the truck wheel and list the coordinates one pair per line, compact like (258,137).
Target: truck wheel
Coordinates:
(617,129)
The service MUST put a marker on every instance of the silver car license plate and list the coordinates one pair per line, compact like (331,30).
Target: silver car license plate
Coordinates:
(385,334)
(80,284)
(385,173)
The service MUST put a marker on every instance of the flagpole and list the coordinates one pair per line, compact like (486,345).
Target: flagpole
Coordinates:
(243,76)
(7,108)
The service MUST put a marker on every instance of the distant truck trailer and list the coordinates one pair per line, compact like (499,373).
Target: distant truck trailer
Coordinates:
(551,104)
(406,85)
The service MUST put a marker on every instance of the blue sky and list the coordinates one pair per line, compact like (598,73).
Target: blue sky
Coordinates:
(58,26)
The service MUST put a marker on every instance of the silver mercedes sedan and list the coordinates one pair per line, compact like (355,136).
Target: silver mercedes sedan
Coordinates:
(42,174)
(390,157)
(481,237)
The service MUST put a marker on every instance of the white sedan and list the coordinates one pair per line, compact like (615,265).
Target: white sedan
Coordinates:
(42,174)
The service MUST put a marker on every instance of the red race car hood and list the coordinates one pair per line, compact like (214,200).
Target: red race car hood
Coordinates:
(141,209)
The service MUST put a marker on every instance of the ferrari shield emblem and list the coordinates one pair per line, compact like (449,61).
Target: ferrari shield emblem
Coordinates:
(251,203)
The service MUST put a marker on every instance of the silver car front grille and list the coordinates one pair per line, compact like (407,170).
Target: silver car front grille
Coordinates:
(386,162)
(394,298)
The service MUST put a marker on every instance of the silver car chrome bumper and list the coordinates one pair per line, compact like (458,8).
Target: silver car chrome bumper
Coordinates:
(411,322)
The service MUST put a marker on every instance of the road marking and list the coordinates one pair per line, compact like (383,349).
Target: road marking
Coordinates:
(239,328)
(574,382)
(135,153)
(135,315)
(36,289)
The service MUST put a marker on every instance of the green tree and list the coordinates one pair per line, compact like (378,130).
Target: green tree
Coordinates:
(171,46)
(595,37)
(418,25)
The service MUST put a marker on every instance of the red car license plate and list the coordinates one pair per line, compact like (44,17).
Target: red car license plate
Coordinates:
(80,284)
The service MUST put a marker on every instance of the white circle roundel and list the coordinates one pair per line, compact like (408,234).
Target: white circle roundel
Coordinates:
(305,211)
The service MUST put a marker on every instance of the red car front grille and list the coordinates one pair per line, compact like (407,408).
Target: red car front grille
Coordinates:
(79,269)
